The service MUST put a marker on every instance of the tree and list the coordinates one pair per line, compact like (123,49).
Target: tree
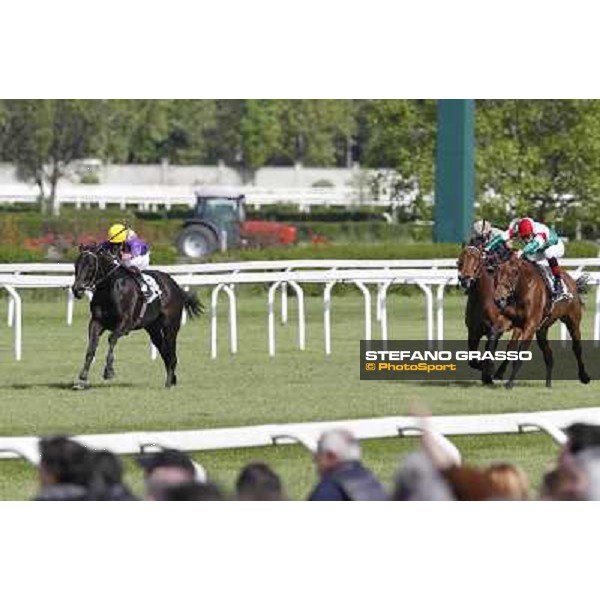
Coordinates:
(188,124)
(397,138)
(42,137)
(538,157)
(247,134)
(317,132)
(260,130)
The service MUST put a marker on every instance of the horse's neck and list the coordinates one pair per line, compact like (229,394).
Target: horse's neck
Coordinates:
(527,273)
(486,287)
(107,270)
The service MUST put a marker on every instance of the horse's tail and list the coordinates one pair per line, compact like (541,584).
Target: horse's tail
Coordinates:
(192,304)
(582,285)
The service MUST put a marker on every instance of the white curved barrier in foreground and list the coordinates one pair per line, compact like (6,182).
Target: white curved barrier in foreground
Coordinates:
(549,422)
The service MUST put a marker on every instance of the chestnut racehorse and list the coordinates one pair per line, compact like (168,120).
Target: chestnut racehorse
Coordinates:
(520,284)
(483,317)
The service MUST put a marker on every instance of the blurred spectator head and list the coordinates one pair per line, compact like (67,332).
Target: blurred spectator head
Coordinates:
(419,480)
(165,469)
(258,481)
(577,477)
(587,463)
(470,484)
(342,475)
(107,480)
(560,484)
(336,447)
(108,467)
(193,490)
(582,436)
(64,461)
(65,469)
(509,481)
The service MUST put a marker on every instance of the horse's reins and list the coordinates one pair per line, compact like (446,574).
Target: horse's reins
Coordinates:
(94,281)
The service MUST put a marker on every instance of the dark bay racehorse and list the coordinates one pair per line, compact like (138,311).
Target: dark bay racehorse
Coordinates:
(483,317)
(118,306)
(520,283)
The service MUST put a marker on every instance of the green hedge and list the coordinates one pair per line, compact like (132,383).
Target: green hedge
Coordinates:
(15,254)
(166,254)
(324,214)
(343,251)
(363,231)
(581,249)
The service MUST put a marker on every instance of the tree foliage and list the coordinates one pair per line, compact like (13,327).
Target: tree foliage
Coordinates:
(42,137)
(540,157)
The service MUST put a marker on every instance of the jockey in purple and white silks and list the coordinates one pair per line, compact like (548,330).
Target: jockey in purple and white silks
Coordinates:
(133,253)
(541,244)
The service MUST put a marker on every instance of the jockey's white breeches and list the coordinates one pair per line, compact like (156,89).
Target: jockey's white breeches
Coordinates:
(139,262)
(554,251)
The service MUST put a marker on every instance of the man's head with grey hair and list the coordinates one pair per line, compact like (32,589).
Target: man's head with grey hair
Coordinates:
(334,448)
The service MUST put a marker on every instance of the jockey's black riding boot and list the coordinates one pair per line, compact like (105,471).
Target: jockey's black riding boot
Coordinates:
(560,291)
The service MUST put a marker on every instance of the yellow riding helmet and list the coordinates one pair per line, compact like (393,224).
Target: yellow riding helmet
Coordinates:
(117,234)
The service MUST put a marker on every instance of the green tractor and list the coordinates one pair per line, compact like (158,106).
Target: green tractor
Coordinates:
(219,223)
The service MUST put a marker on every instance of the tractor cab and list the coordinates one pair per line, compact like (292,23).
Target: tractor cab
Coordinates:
(215,223)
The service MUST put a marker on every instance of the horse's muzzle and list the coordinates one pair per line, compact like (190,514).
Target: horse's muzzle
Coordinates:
(465,282)
(77,292)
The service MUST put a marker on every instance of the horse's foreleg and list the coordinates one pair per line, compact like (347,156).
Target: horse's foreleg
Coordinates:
(512,345)
(575,333)
(95,330)
(475,335)
(122,329)
(542,340)
(524,343)
(487,375)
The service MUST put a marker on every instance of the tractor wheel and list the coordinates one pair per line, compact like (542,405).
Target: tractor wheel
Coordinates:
(196,241)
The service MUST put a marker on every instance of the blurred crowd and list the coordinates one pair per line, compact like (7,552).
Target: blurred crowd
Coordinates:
(70,471)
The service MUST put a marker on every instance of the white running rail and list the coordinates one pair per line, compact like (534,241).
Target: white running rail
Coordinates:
(281,275)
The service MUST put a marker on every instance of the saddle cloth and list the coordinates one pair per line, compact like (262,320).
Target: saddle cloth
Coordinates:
(155,291)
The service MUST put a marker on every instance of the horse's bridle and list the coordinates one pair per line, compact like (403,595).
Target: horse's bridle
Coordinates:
(94,282)
(481,254)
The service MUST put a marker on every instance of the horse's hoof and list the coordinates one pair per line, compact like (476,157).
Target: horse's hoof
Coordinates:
(487,380)
(509,385)
(584,378)
(548,384)
(80,385)
(108,375)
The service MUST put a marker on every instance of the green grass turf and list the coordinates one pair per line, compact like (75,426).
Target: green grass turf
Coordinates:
(250,388)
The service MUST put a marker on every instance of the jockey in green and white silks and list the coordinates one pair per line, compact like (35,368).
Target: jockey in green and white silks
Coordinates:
(484,231)
(541,243)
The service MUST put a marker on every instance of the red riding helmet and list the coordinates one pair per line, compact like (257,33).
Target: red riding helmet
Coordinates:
(525,228)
